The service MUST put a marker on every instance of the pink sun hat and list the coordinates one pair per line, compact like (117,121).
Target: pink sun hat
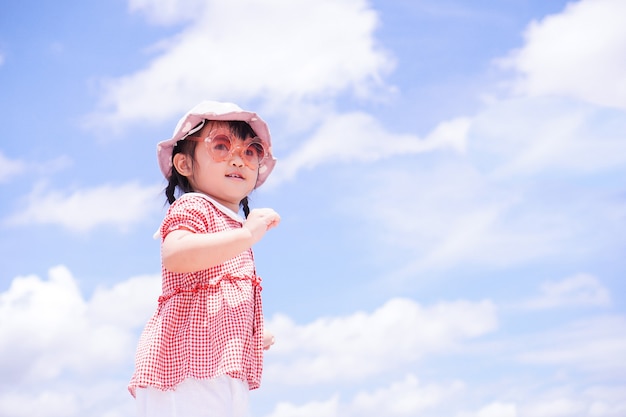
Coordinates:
(215,110)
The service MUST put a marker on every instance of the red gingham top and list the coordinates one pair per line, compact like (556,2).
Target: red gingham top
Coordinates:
(208,323)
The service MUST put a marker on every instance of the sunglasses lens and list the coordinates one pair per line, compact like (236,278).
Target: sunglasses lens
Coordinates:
(219,147)
(255,152)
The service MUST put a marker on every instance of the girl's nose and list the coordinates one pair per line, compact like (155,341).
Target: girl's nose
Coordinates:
(236,159)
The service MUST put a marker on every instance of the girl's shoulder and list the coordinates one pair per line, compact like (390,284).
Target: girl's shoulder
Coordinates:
(191,211)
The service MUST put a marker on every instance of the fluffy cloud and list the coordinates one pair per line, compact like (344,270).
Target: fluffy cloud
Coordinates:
(83,210)
(359,137)
(578,290)
(49,403)
(450,214)
(167,12)
(55,331)
(410,397)
(362,345)
(592,345)
(8,167)
(515,194)
(50,332)
(534,136)
(328,408)
(495,409)
(579,52)
(53,328)
(284,52)
(407,397)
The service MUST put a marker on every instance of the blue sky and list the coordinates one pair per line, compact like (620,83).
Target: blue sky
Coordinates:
(450,181)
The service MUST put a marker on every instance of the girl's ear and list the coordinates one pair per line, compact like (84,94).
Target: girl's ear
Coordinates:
(183,164)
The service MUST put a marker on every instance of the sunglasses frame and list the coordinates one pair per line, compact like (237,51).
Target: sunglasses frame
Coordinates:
(240,149)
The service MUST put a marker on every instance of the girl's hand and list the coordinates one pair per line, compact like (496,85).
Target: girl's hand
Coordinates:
(268,339)
(260,221)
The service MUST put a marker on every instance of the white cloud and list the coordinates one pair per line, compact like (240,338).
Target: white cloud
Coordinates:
(560,401)
(449,214)
(515,194)
(54,329)
(407,397)
(580,52)
(97,396)
(593,345)
(495,409)
(168,11)
(606,401)
(279,52)
(359,137)
(84,210)
(524,188)
(361,345)
(533,136)
(410,397)
(559,407)
(9,168)
(33,341)
(498,410)
(47,403)
(56,333)
(130,310)
(578,290)
(50,332)
(329,408)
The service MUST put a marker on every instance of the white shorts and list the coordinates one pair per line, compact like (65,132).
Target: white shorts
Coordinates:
(219,397)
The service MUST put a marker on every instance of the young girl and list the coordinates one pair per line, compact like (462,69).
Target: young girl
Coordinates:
(202,350)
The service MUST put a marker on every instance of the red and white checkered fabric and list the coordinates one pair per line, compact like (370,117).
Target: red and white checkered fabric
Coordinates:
(208,323)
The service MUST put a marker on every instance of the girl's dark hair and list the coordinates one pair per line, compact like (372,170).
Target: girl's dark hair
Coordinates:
(178,184)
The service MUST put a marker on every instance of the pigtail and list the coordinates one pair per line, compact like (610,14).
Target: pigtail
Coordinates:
(170,191)
(178,184)
(244,205)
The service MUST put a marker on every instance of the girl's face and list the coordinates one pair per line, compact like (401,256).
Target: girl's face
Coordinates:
(229,180)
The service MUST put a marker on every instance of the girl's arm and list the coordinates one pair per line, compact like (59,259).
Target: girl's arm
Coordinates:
(185,251)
